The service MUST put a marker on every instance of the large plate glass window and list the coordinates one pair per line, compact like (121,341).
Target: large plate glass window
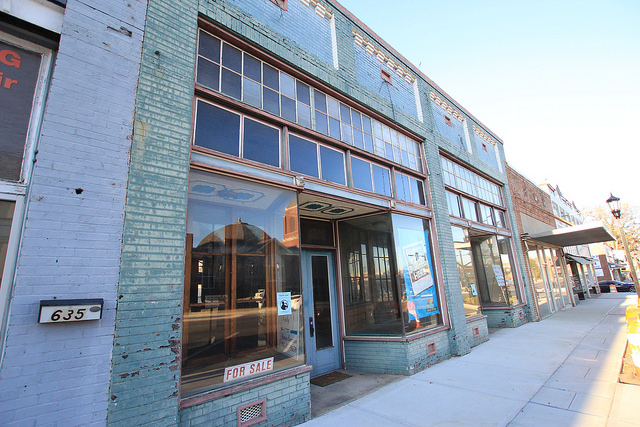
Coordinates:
(242,259)
(466,271)
(492,260)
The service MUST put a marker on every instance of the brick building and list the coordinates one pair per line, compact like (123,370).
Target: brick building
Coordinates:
(299,199)
(558,278)
(64,161)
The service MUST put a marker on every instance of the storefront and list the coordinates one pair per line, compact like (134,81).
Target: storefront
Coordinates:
(309,231)
(483,247)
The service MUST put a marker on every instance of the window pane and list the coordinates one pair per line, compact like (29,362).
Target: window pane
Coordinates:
(366,124)
(381,180)
(469,209)
(417,191)
(333,106)
(505,257)
(357,121)
(318,233)
(489,272)
(230,312)
(320,101)
(231,58)
(321,123)
(345,113)
(334,128)
(304,115)
(357,138)
(402,187)
(332,162)
(302,93)
(368,277)
(303,156)
(6,216)
(287,85)
(15,109)
(208,74)
(261,143)
(288,108)
(271,77)
(252,68)
(454,204)
(217,129)
(346,133)
(486,215)
(251,92)
(209,46)
(361,174)
(271,101)
(231,83)
(368,142)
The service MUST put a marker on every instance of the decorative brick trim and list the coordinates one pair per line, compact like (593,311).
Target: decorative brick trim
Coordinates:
(320,9)
(446,106)
(482,134)
(382,57)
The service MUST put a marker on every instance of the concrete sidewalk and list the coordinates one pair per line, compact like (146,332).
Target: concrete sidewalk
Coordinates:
(562,371)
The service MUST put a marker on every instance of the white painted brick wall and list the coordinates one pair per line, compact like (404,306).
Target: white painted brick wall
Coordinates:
(71,244)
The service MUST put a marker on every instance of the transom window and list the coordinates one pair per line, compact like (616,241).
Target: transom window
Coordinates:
(233,72)
(469,182)
(235,134)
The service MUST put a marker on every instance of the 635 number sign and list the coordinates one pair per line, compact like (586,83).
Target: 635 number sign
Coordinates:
(60,311)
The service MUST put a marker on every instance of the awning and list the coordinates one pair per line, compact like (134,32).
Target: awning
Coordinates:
(593,232)
(579,259)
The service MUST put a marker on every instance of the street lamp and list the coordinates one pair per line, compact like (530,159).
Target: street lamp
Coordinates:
(614,205)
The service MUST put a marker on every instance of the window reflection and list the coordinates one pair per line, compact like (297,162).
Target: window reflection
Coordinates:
(242,251)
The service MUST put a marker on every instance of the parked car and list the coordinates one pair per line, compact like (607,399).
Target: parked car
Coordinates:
(605,286)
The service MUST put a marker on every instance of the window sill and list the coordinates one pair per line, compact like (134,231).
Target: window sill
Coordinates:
(246,385)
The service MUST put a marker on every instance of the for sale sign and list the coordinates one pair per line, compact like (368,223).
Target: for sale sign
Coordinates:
(248,369)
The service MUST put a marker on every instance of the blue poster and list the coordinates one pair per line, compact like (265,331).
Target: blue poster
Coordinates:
(419,282)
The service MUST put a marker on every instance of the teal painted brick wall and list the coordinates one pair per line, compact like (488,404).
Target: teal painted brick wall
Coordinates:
(146,364)
(384,357)
(483,331)
(288,403)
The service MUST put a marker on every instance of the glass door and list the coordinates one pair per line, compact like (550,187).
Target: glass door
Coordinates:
(321,313)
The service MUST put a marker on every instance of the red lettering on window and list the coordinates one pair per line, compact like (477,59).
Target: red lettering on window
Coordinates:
(10,58)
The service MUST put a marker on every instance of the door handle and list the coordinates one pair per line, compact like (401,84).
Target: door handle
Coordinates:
(311,329)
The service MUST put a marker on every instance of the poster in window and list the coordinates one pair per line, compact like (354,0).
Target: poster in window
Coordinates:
(418,274)
(19,70)
(497,271)
(289,327)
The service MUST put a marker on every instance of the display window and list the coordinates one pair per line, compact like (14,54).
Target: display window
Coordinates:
(466,271)
(387,276)
(492,261)
(242,295)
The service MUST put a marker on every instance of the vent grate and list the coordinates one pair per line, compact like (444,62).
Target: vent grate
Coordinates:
(252,413)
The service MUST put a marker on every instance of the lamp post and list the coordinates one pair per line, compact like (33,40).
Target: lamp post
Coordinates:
(614,205)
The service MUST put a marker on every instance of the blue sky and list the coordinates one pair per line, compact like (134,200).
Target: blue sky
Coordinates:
(557,81)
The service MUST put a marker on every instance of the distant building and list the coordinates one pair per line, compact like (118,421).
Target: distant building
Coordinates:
(558,278)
